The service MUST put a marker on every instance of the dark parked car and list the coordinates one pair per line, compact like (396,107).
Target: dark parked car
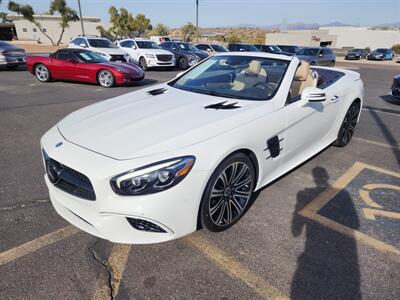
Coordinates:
(356,54)
(271,49)
(211,48)
(242,48)
(186,55)
(396,86)
(289,48)
(318,56)
(11,56)
(381,54)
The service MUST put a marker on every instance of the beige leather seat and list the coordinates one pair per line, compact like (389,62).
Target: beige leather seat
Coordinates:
(303,78)
(253,75)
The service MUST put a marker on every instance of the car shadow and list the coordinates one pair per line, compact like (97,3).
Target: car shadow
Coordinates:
(328,268)
(17,69)
(390,99)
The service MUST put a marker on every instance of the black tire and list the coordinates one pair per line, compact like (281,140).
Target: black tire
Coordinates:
(183,63)
(332,63)
(143,63)
(312,63)
(348,126)
(105,78)
(42,73)
(232,195)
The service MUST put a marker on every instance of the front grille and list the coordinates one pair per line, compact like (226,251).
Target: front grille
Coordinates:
(144,225)
(69,180)
(164,57)
(117,58)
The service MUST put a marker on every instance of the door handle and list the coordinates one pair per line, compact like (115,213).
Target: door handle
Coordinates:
(335,98)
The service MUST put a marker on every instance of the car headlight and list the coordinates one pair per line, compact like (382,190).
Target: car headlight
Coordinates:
(150,55)
(153,178)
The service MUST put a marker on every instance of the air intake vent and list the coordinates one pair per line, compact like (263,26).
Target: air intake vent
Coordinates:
(144,225)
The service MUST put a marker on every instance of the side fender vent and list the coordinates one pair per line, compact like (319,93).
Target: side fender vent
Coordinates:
(222,105)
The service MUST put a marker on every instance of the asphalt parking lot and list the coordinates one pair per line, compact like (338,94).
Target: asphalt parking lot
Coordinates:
(330,229)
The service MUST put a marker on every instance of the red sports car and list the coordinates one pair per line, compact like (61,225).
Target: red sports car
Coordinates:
(83,66)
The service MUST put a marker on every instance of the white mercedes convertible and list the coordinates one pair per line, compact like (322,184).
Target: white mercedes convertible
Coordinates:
(159,163)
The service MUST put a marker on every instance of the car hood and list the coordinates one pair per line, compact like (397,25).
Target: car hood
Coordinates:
(127,67)
(139,124)
(201,54)
(155,51)
(377,54)
(113,51)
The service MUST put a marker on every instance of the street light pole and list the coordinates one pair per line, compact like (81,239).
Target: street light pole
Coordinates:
(197,21)
(80,17)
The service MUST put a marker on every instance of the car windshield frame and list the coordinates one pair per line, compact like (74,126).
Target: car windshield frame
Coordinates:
(307,51)
(95,58)
(107,44)
(206,63)
(147,45)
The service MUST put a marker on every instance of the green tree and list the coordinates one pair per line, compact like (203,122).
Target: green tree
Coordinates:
(124,24)
(187,31)
(396,48)
(56,7)
(160,30)
(233,39)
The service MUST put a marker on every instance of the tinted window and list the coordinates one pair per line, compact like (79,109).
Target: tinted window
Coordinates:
(65,55)
(309,51)
(239,77)
(127,44)
(327,51)
(101,43)
(202,47)
(218,48)
(77,41)
(89,57)
(147,45)
(166,45)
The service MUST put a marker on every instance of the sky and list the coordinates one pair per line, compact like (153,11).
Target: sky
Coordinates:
(214,13)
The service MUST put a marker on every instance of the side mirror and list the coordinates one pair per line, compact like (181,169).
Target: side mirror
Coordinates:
(321,54)
(209,50)
(134,47)
(82,45)
(312,94)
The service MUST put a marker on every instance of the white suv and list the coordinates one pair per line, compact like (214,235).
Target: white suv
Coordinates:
(101,46)
(146,53)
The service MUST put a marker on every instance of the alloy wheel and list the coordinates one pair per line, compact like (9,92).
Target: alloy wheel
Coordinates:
(106,79)
(349,124)
(42,73)
(230,194)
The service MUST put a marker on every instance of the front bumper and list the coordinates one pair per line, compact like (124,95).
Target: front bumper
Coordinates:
(12,60)
(376,58)
(174,210)
(155,63)
(126,78)
(352,57)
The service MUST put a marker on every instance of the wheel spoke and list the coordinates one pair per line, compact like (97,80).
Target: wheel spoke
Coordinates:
(214,209)
(221,213)
(237,205)
(243,183)
(240,174)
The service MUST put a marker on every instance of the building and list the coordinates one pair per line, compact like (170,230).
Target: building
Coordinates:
(337,37)
(28,31)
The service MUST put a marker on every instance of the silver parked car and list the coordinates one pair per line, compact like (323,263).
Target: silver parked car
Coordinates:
(11,56)
(318,56)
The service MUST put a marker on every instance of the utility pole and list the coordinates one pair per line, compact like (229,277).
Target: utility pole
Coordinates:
(80,17)
(197,21)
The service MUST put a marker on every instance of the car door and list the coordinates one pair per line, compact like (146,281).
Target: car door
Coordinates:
(66,65)
(308,124)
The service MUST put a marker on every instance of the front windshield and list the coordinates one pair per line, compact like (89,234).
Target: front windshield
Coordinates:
(356,50)
(218,48)
(90,57)
(309,51)
(101,43)
(380,50)
(238,77)
(147,45)
(187,47)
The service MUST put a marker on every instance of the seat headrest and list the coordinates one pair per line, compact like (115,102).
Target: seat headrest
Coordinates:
(254,67)
(303,71)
